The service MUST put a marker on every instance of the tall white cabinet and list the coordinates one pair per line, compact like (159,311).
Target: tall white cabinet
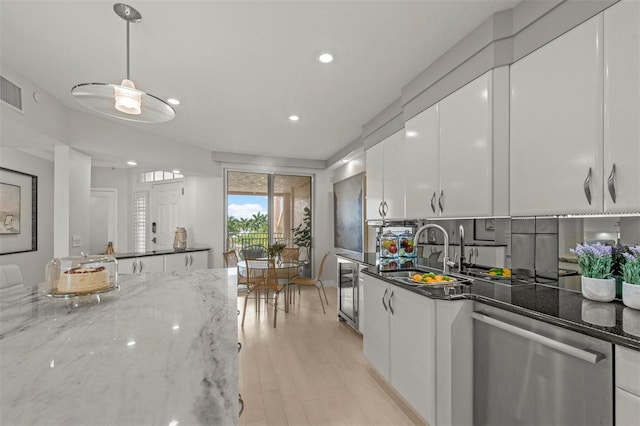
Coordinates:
(575,127)
(456,152)
(385,178)
(622,107)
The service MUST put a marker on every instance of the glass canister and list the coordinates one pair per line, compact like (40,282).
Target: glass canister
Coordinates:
(407,245)
(180,239)
(389,245)
(79,275)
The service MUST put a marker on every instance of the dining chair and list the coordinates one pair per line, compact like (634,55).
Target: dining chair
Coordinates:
(253,252)
(291,254)
(231,261)
(304,281)
(262,276)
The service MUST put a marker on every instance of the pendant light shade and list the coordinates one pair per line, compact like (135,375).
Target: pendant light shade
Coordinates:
(124,101)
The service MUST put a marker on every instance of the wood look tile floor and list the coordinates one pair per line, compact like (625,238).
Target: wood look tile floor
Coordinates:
(310,370)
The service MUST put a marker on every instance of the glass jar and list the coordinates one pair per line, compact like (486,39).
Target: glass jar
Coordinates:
(407,245)
(180,239)
(389,245)
(79,275)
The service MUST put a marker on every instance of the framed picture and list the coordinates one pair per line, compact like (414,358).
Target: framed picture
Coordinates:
(347,213)
(18,212)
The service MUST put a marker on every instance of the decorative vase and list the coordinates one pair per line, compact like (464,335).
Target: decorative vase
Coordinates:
(599,289)
(180,239)
(631,295)
(109,249)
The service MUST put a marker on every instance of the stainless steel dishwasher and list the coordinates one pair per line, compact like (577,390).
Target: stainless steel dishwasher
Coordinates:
(527,372)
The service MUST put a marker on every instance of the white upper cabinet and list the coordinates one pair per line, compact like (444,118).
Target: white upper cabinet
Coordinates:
(385,178)
(422,152)
(622,107)
(466,152)
(556,125)
(375,176)
(457,152)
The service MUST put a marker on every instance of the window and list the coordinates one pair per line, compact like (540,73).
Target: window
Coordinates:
(140,203)
(158,176)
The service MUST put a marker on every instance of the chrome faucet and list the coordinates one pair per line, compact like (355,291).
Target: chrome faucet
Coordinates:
(462,262)
(445,260)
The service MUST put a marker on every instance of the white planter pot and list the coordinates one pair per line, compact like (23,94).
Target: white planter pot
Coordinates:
(631,295)
(598,289)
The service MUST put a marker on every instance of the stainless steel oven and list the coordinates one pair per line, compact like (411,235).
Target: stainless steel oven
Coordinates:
(348,294)
(527,372)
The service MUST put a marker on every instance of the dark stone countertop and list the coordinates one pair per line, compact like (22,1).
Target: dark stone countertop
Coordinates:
(611,321)
(156,252)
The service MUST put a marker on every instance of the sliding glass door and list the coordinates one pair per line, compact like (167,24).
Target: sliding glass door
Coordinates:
(265,208)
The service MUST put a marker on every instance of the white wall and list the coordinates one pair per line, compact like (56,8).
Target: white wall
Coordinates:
(33,263)
(205,215)
(109,177)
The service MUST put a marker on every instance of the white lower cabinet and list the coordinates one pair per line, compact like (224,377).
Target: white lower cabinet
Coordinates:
(627,382)
(139,265)
(188,261)
(422,347)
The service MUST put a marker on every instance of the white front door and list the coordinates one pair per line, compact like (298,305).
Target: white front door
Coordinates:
(167,213)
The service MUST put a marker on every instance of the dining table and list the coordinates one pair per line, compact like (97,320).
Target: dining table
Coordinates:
(284,270)
(161,349)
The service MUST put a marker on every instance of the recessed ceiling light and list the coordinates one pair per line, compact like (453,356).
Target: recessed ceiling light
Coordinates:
(325,58)
(294,118)
(411,133)
(173,101)
(345,160)
(132,163)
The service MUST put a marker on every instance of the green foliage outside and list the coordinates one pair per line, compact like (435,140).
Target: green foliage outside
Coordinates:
(257,223)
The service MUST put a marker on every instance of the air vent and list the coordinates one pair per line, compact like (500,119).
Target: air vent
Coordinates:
(10,93)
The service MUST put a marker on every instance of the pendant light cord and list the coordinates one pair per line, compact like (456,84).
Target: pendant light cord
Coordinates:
(128,51)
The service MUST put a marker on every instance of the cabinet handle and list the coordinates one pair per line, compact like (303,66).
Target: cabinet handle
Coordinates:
(141,266)
(383,302)
(476,253)
(190,260)
(385,208)
(441,201)
(186,261)
(587,186)
(391,307)
(612,183)
(433,204)
(380,209)
(135,266)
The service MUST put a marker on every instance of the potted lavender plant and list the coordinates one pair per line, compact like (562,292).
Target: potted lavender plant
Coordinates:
(631,277)
(596,262)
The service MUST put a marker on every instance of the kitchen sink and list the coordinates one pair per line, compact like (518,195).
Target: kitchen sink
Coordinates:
(444,289)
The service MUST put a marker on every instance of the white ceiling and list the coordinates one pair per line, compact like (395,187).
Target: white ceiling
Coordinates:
(241,68)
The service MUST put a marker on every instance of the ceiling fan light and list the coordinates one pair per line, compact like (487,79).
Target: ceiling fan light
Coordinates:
(128,99)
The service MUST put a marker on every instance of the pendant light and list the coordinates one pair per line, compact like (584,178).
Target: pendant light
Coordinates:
(124,101)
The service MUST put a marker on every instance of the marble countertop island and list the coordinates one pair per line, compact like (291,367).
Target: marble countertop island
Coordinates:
(161,350)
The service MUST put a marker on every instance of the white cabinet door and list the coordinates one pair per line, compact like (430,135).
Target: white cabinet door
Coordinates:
(127,266)
(422,150)
(627,408)
(375,176)
(198,260)
(466,154)
(376,326)
(150,264)
(176,262)
(556,125)
(622,107)
(394,172)
(413,360)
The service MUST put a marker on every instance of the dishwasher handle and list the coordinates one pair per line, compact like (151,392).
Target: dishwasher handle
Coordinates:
(585,355)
